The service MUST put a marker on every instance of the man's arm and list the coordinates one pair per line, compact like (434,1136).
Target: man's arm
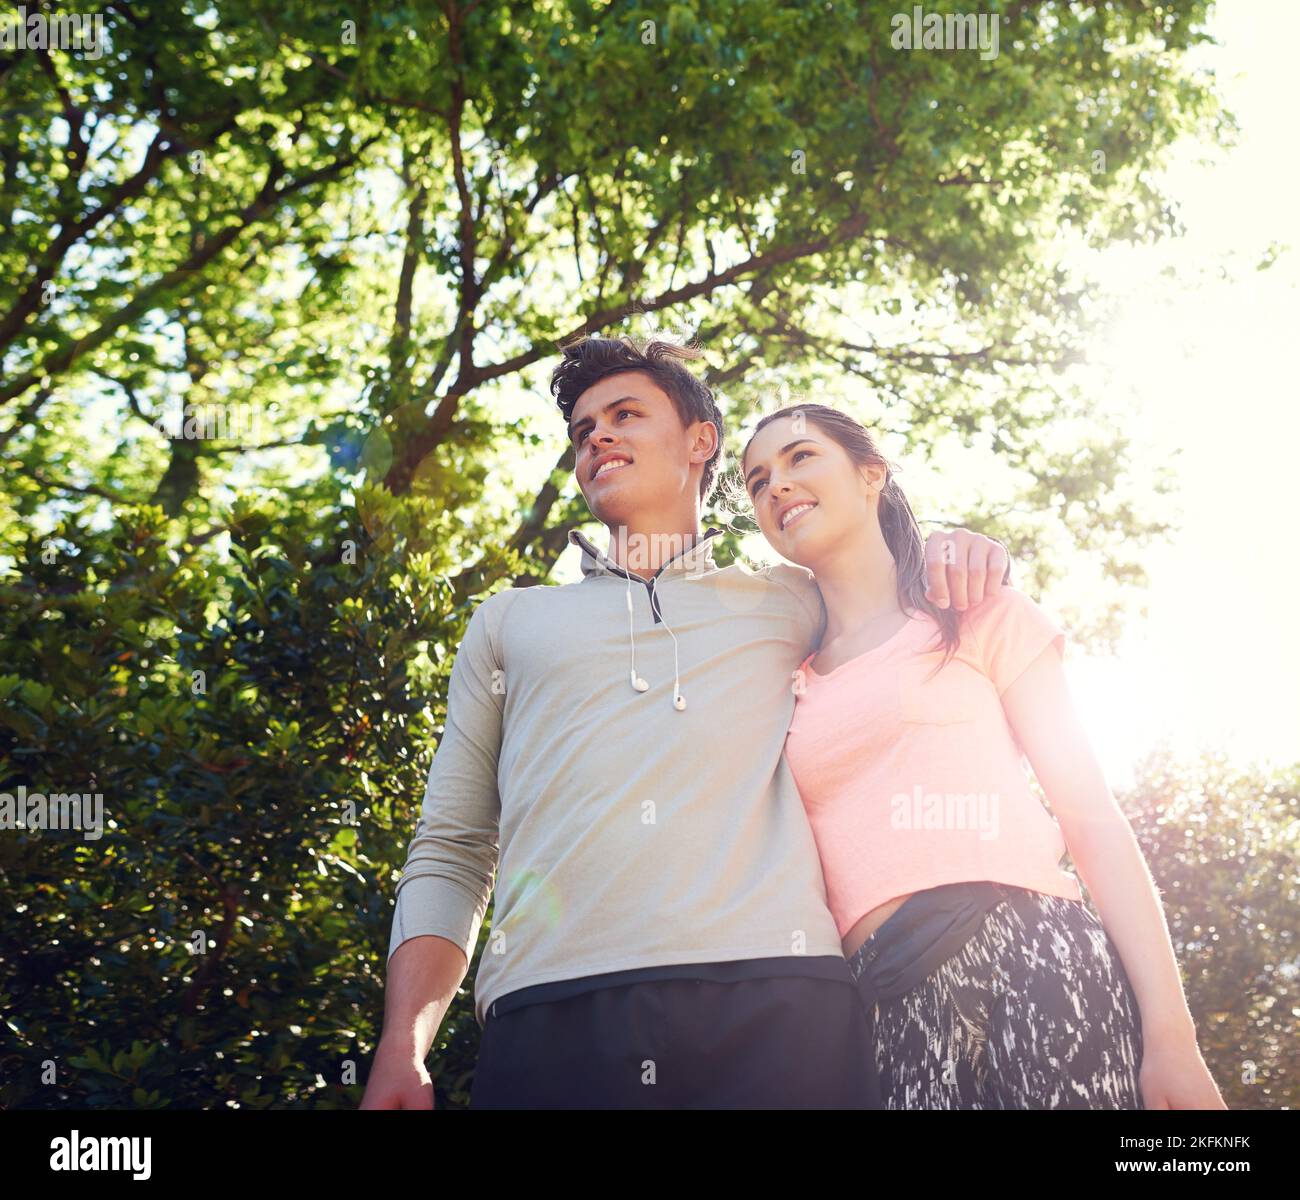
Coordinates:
(423,976)
(446,883)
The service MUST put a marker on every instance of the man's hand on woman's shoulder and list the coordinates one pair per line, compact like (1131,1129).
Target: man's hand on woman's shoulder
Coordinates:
(963,569)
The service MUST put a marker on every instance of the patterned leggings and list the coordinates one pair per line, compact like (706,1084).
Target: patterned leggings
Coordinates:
(1035,1011)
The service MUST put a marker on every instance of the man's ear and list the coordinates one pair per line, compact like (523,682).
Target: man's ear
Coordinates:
(708,432)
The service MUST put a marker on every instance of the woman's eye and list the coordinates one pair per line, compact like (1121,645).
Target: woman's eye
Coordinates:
(758,485)
(794,458)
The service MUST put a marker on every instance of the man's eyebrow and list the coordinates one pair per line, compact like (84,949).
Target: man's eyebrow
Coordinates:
(787,446)
(573,429)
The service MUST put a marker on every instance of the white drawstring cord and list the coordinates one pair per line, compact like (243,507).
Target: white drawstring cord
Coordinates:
(638,683)
(679,701)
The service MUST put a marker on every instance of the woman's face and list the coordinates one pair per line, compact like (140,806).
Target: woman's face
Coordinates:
(808,494)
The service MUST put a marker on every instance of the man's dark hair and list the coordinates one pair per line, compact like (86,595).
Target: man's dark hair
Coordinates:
(587,361)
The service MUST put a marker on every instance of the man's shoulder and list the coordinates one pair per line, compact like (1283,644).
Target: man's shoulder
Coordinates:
(498,602)
(794,579)
(491,612)
(496,609)
(792,576)
(788,587)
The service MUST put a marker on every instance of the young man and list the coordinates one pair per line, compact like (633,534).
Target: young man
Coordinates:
(614,749)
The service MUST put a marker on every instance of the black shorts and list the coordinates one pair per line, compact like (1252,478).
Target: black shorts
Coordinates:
(788,1042)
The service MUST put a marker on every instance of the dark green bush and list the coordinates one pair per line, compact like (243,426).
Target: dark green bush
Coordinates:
(262,807)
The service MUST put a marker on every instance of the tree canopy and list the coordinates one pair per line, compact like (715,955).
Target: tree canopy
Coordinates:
(279,290)
(359,229)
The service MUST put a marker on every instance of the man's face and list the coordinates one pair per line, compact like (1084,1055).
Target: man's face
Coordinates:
(632,455)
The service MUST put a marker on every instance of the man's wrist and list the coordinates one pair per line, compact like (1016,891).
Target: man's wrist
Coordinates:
(401,1045)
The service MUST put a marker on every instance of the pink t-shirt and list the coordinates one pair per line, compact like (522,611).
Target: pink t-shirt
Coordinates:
(912,783)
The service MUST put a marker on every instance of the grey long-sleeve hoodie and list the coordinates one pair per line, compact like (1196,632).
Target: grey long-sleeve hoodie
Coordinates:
(631,832)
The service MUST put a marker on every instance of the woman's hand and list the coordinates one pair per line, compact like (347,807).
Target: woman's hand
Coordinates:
(1174,1075)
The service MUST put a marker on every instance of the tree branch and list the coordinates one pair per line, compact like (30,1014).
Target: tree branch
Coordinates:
(28,301)
(266,202)
(420,444)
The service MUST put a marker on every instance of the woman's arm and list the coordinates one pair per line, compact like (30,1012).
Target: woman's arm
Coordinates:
(1101,842)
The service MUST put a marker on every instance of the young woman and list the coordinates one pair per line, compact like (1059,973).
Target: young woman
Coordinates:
(988,982)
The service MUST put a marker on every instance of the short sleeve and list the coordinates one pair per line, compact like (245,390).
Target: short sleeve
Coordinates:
(1011,630)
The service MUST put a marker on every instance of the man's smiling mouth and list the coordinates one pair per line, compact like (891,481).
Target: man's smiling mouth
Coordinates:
(613,465)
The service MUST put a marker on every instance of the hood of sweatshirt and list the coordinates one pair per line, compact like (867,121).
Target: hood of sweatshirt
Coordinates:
(696,559)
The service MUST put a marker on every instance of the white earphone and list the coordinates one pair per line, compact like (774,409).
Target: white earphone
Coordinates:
(639,684)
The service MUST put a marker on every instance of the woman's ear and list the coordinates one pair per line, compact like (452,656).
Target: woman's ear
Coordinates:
(876,476)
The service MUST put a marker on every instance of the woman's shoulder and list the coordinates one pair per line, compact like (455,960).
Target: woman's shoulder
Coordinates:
(1008,629)
(1007,612)
(1007,603)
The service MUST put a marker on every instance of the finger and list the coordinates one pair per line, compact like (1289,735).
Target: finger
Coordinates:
(997,569)
(976,570)
(936,571)
(959,571)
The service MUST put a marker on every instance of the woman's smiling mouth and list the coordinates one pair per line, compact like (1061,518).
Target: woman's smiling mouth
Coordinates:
(790,517)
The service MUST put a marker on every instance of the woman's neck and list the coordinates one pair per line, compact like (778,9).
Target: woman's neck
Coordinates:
(859,584)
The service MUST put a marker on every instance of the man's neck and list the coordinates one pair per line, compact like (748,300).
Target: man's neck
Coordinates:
(642,551)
